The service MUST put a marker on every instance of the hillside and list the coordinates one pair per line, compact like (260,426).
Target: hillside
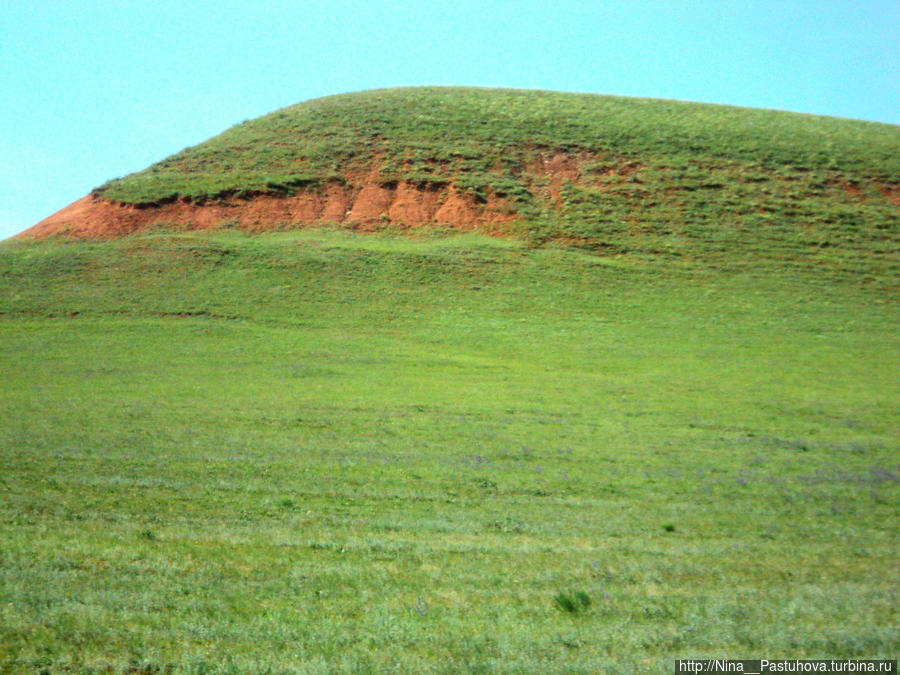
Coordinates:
(655,418)
(317,451)
(614,175)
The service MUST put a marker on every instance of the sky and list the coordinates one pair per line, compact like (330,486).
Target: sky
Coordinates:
(93,90)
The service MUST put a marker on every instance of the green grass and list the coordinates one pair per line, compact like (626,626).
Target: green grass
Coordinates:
(486,136)
(322,452)
(656,176)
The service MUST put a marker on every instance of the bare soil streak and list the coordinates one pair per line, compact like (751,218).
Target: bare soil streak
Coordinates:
(360,200)
(370,204)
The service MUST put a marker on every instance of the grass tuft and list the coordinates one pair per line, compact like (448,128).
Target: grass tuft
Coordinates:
(572,602)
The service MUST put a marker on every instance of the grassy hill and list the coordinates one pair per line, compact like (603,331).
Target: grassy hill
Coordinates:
(486,137)
(611,175)
(420,450)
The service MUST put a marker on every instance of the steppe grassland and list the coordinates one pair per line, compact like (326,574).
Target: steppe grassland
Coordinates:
(320,452)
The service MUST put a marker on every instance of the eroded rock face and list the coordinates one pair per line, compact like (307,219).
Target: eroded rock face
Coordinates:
(365,206)
(360,201)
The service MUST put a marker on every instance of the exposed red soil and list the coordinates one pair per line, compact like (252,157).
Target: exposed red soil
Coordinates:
(364,206)
(457,211)
(361,201)
(371,204)
(413,205)
(851,189)
(891,192)
(338,199)
(559,166)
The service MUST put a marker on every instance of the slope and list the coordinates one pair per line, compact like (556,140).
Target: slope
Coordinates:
(316,451)
(615,175)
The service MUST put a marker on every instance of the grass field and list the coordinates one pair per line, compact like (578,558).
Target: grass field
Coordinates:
(323,452)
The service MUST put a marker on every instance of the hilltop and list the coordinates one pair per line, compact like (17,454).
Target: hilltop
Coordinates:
(611,174)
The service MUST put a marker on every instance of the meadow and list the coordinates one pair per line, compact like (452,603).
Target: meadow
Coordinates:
(316,451)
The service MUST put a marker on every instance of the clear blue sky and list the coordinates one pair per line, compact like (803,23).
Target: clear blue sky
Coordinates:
(91,90)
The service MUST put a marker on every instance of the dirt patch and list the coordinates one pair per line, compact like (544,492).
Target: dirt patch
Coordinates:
(371,204)
(361,200)
(891,193)
(457,210)
(853,190)
(413,205)
(552,171)
(497,211)
(87,218)
(338,199)
(363,207)
(560,167)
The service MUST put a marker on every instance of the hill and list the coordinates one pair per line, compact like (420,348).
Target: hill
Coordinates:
(657,418)
(614,175)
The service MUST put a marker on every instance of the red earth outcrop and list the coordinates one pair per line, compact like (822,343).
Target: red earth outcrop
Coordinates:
(360,201)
